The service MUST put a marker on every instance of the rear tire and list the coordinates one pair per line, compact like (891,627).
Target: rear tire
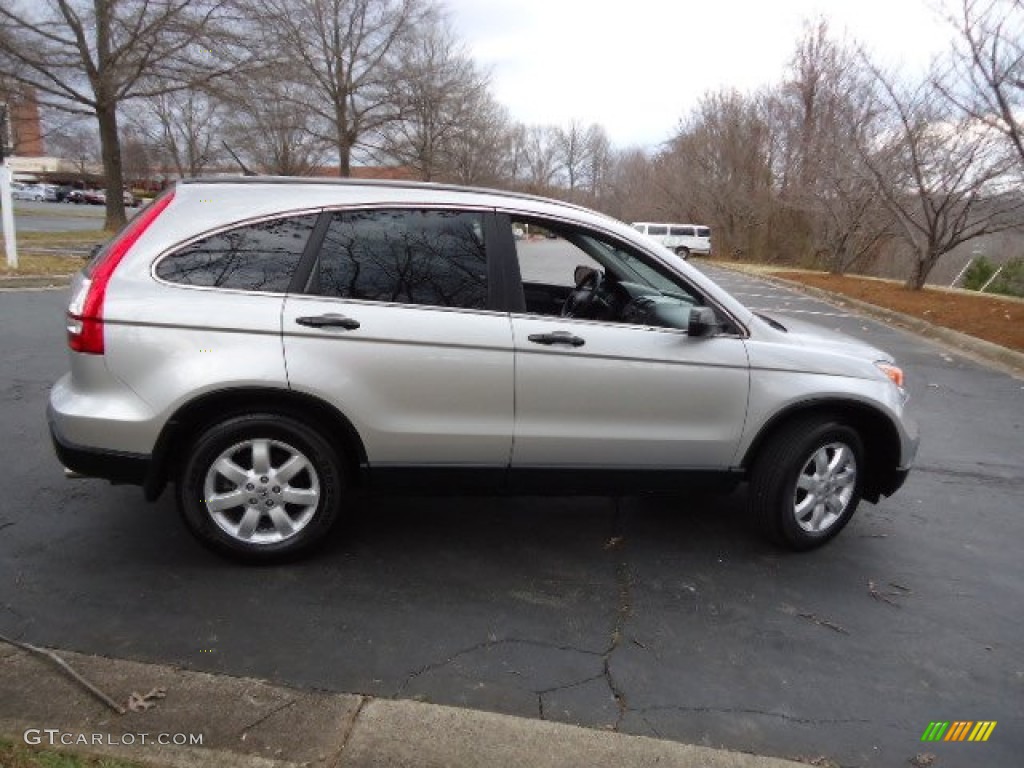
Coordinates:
(806,482)
(261,488)
(683,253)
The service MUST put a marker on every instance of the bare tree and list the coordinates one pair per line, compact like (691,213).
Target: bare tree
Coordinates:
(718,169)
(573,153)
(598,163)
(988,67)
(484,150)
(941,177)
(268,135)
(185,128)
(583,156)
(137,157)
(436,88)
(629,187)
(824,111)
(343,51)
(75,139)
(540,155)
(91,56)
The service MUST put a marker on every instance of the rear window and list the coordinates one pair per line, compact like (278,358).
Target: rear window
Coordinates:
(653,230)
(256,257)
(682,231)
(703,232)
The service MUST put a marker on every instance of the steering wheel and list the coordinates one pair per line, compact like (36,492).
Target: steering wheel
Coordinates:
(583,297)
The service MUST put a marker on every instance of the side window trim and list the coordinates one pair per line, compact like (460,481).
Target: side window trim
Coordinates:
(505,261)
(307,272)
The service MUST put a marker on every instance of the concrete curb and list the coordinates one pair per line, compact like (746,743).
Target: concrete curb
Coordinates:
(979,349)
(248,722)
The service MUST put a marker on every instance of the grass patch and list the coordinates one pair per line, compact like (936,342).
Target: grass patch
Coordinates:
(76,238)
(19,756)
(50,265)
(51,253)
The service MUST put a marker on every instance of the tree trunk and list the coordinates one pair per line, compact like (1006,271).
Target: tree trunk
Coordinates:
(344,156)
(919,274)
(110,146)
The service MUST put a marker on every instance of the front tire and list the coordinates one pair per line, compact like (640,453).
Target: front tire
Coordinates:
(806,482)
(683,253)
(261,488)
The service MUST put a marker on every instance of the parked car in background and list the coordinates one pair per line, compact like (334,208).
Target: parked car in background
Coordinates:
(32,192)
(95,197)
(681,239)
(130,200)
(300,339)
(76,196)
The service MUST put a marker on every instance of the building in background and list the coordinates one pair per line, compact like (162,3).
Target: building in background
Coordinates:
(22,130)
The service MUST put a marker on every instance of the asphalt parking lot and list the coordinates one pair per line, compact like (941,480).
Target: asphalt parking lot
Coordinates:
(661,616)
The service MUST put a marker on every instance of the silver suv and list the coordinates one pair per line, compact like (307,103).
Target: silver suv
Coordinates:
(268,345)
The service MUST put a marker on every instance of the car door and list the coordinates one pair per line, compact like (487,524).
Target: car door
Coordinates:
(396,330)
(613,393)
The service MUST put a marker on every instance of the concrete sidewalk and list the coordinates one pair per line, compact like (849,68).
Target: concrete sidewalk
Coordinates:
(246,722)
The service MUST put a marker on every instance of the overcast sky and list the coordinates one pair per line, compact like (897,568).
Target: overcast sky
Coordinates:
(639,68)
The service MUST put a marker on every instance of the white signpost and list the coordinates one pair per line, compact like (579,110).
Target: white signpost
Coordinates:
(7,202)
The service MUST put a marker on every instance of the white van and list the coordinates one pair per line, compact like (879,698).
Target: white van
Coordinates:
(684,239)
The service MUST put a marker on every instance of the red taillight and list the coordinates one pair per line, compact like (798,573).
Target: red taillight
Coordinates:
(85,315)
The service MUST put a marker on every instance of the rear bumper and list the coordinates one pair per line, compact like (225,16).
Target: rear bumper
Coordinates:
(118,467)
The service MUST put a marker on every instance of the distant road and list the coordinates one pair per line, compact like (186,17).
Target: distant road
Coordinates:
(58,217)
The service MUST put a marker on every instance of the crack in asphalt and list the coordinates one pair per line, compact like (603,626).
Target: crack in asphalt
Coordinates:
(567,686)
(542,693)
(624,608)
(484,645)
(961,474)
(746,711)
(647,722)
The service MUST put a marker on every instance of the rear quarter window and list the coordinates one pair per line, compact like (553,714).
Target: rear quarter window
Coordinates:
(703,232)
(255,257)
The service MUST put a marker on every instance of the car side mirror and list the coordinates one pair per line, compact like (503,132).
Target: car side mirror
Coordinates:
(703,322)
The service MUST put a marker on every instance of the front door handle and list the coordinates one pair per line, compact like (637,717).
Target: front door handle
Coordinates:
(329,321)
(558,337)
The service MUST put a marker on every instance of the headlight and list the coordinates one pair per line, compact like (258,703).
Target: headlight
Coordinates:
(893,372)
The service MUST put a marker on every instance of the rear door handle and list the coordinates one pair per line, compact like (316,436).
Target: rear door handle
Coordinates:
(557,337)
(331,320)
